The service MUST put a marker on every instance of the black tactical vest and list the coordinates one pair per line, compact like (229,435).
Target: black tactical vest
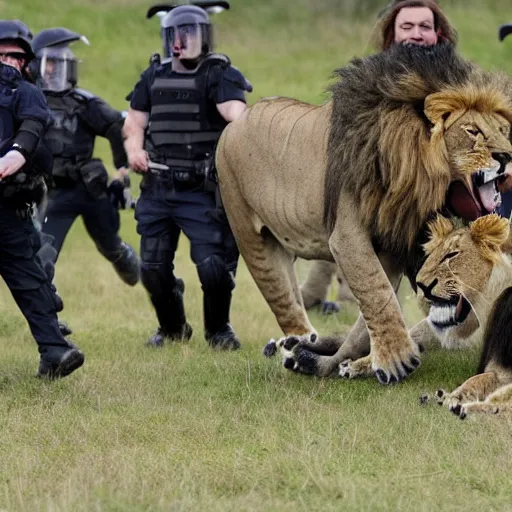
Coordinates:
(22,188)
(184,126)
(69,139)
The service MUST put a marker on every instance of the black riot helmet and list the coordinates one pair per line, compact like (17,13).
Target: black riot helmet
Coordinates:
(16,32)
(188,28)
(55,63)
(504,31)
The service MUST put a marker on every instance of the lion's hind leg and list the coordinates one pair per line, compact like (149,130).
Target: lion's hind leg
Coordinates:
(498,402)
(476,388)
(316,287)
(302,355)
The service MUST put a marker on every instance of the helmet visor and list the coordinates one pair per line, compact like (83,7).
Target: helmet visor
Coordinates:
(185,41)
(58,68)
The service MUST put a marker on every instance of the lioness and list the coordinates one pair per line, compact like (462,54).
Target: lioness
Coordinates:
(354,181)
(467,280)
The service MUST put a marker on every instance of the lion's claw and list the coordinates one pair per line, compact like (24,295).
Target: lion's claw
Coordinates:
(344,369)
(440,395)
(456,409)
(270,349)
(290,342)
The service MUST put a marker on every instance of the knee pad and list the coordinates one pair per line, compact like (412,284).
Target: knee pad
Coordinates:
(127,265)
(214,274)
(157,278)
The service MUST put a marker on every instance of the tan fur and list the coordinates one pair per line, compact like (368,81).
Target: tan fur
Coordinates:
(299,180)
(315,288)
(480,271)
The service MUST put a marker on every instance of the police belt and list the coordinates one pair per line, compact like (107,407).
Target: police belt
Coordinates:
(180,170)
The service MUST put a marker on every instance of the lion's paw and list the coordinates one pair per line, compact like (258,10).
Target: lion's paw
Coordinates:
(394,366)
(359,368)
(440,396)
(302,361)
(297,358)
(270,349)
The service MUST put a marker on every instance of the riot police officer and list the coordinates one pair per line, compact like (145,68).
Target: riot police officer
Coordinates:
(178,110)
(79,181)
(24,116)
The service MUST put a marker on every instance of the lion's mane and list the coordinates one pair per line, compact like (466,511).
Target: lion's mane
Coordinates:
(382,148)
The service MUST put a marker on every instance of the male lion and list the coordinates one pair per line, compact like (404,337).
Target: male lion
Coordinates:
(355,180)
(467,281)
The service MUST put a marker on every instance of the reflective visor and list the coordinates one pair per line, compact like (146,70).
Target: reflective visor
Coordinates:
(58,68)
(185,41)
(183,35)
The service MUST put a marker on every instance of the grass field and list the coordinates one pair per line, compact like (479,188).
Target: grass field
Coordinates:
(188,429)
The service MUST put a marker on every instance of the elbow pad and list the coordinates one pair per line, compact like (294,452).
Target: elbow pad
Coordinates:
(28,136)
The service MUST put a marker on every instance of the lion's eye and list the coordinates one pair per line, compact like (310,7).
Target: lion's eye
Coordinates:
(449,256)
(472,130)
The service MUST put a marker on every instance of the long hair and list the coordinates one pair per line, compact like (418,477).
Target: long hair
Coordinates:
(385,28)
(498,334)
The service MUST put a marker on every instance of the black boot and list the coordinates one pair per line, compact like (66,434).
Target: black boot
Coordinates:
(58,361)
(127,265)
(159,337)
(217,329)
(171,317)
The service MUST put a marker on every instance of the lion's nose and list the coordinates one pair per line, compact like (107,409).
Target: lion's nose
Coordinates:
(427,289)
(503,158)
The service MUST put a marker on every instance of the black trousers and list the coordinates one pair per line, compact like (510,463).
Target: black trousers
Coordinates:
(162,213)
(101,219)
(27,281)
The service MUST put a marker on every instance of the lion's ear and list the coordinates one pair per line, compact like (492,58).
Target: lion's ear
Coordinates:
(491,234)
(437,110)
(438,229)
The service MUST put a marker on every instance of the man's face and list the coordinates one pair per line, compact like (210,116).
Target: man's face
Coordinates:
(12,55)
(186,42)
(48,73)
(415,25)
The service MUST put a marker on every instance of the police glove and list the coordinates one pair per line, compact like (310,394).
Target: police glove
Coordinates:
(10,163)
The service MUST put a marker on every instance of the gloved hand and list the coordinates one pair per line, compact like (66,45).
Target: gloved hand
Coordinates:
(10,163)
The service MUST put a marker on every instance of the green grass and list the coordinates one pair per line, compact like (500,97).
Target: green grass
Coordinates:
(185,428)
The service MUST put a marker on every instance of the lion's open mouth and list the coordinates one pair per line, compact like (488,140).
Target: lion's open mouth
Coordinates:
(449,313)
(481,198)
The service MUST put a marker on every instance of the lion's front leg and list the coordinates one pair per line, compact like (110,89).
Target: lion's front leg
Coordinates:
(394,354)
(499,401)
(474,389)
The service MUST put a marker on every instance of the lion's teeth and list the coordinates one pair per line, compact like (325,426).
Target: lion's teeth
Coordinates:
(443,315)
